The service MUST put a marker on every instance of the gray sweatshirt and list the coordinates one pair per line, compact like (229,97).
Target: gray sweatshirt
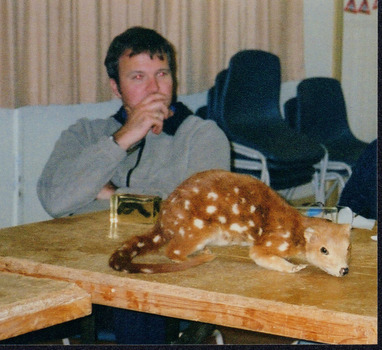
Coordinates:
(85,158)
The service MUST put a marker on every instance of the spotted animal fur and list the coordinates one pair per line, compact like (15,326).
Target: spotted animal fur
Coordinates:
(221,208)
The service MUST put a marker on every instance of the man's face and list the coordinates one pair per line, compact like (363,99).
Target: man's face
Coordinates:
(140,76)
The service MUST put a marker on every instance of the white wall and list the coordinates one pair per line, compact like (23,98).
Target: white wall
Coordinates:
(9,167)
(360,72)
(318,37)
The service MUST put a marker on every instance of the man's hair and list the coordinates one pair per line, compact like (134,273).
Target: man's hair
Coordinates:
(139,40)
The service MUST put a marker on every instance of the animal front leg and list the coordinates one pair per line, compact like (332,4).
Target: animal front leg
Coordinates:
(273,262)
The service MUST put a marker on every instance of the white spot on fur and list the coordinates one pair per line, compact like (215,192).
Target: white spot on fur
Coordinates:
(211,209)
(286,235)
(133,253)
(180,216)
(195,190)
(252,209)
(173,200)
(176,252)
(176,222)
(222,219)
(260,231)
(309,230)
(238,228)
(250,238)
(181,231)
(198,223)
(268,244)
(187,204)
(251,223)
(236,190)
(235,209)
(140,244)
(156,239)
(243,200)
(283,247)
(212,195)
(144,270)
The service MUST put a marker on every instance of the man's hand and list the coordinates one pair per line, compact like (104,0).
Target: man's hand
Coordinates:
(107,191)
(148,115)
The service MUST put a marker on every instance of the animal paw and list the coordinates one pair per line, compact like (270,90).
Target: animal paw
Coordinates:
(299,267)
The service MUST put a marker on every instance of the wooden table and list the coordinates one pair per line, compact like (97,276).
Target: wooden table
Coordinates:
(230,291)
(28,304)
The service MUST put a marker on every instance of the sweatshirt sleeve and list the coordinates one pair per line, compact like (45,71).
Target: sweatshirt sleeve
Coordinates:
(82,162)
(209,149)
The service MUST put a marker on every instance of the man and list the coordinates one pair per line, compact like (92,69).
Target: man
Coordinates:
(149,146)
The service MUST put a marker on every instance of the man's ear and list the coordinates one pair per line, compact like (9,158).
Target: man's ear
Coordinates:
(115,88)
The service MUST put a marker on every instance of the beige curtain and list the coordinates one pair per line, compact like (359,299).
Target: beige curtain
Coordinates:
(52,51)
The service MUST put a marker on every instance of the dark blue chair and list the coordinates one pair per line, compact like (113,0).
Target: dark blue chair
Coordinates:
(245,103)
(319,111)
(321,114)
(290,112)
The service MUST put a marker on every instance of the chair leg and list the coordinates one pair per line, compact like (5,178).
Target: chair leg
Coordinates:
(172,330)
(196,333)
(88,333)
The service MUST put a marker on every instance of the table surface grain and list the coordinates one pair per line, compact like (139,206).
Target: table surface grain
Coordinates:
(231,290)
(28,304)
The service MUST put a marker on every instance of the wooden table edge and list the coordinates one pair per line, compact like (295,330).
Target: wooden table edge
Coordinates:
(72,302)
(242,312)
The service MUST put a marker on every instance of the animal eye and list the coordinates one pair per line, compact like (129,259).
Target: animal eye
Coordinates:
(324,251)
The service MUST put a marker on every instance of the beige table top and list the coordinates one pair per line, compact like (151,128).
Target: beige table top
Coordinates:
(28,304)
(230,291)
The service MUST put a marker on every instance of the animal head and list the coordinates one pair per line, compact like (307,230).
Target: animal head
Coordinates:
(328,246)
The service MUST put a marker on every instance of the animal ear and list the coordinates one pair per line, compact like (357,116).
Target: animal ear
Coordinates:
(309,234)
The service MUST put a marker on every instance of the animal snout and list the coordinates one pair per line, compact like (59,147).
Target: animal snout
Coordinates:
(344,271)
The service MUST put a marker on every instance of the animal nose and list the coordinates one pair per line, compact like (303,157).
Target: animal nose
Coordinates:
(344,271)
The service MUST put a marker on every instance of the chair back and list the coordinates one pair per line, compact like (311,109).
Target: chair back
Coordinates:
(321,109)
(245,103)
(246,100)
(254,84)
(290,113)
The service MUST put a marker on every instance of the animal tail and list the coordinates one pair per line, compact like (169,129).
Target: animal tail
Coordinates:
(121,259)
